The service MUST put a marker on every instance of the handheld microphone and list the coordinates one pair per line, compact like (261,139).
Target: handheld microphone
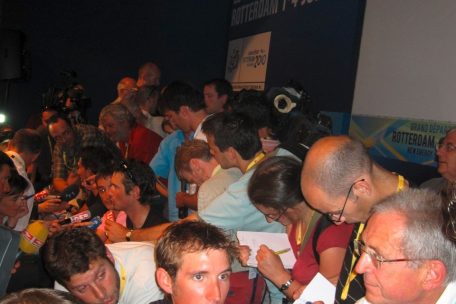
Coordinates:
(42,195)
(95,222)
(183,211)
(33,237)
(77,218)
(69,192)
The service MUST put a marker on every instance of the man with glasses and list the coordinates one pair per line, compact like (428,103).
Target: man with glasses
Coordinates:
(69,142)
(92,161)
(339,179)
(446,155)
(404,255)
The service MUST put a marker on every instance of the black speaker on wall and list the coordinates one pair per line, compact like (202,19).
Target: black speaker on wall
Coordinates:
(11,54)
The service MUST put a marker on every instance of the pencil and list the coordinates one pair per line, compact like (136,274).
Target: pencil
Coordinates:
(282,251)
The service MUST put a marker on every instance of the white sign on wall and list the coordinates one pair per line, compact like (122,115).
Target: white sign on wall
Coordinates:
(247,61)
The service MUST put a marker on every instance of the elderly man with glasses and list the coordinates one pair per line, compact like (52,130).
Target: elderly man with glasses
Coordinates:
(404,255)
(446,163)
(339,179)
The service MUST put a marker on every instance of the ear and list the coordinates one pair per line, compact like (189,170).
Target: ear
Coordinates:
(362,188)
(164,280)
(224,98)
(435,274)
(136,192)
(232,153)
(184,110)
(109,255)
(195,165)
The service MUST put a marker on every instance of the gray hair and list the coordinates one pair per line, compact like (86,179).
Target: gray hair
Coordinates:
(423,237)
(40,296)
(342,167)
(118,112)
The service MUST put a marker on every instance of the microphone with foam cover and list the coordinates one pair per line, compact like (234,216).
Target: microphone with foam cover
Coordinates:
(77,218)
(69,192)
(33,237)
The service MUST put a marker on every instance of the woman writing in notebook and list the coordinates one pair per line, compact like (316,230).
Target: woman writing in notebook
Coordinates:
(319,245)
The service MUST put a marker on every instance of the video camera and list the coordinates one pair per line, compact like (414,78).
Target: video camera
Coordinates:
(294,124)
(70,99)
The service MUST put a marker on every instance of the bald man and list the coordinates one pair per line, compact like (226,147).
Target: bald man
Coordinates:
(126,89)
(339,179)
(149,74)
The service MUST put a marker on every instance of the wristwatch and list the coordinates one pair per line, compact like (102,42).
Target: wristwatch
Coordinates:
(286,285)
(128,235)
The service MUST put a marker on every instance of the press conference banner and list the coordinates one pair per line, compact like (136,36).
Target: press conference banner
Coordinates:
(312,42)
(247,61)
(401,139)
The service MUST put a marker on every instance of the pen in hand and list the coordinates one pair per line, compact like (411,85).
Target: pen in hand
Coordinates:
(282,251)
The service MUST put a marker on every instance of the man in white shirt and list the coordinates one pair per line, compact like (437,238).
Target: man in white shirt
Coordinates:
(119,273)
(405,257)
(217,95)
(184,107)
(195,164)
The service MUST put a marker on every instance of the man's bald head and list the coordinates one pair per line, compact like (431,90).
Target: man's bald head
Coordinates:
(333,163)
(125,85)
(149,74)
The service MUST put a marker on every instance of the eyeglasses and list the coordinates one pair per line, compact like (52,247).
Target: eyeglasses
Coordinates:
(449,147)
(276,218)
(376,259)
(127,171)
(332,215)
(89,181)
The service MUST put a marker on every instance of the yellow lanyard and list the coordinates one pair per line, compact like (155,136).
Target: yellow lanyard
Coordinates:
(123,279)
(352,275)
(65,162)
(216,170)
(255,161)
(400,183)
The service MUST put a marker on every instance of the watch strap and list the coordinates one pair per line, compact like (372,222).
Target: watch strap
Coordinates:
(286,285)
(128,235)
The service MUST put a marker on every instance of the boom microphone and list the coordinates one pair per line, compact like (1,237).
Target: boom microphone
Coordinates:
(77,218)
(33,237)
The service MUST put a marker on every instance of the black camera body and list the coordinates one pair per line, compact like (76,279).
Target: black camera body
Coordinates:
(295,125)
(70,99)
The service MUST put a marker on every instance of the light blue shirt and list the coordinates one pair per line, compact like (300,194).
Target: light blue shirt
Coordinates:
(233,212)
(163,165)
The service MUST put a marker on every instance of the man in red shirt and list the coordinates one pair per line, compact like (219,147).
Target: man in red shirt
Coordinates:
(133,139)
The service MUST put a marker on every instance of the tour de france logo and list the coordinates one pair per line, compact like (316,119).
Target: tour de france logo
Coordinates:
(233,60)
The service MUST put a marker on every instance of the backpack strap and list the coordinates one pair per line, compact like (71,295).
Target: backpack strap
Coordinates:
(321,226)
(313,221)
